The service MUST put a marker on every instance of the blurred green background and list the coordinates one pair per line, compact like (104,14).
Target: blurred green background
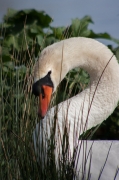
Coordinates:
(23,34)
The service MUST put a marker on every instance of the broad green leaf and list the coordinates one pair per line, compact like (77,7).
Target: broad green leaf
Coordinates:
(9,64)
(5,50)
(12,40)
(21,69)
(6,58)
(50,40)
(10,14)
(40,40)
(103,36)
(5,69)
(58,32)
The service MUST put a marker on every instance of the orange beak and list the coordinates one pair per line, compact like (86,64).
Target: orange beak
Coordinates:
(44,100)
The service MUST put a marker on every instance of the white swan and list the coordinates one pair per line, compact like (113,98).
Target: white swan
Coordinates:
(83,111)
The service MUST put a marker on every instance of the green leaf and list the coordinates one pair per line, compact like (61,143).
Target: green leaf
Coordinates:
(50,40)
(103,36)
(10,14)
(40,40)
(22,69)
(58,32)
(5,50)
(6,58)
(79,27)
(5,69)
(10,65)
(28,16)
(12,40)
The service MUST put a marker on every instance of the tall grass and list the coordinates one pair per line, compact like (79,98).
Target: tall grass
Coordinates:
(18,118)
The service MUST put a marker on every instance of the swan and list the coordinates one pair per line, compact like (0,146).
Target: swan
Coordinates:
(81,112)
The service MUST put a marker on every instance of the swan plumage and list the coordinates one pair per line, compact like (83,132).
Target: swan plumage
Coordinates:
(93,105)
(104,159)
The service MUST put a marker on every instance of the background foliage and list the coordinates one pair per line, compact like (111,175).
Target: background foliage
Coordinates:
(23,34)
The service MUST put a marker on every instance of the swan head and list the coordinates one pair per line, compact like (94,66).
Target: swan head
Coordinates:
(48,72)
(43,88)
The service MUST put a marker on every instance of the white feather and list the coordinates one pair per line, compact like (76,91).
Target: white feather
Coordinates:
(87,109)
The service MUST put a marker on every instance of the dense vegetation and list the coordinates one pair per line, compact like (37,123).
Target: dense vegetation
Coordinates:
(23,34)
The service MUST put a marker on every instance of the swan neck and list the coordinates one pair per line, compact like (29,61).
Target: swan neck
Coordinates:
(81,54)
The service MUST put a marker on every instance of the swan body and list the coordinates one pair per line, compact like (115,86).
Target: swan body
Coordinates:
(87,109)
(103,157)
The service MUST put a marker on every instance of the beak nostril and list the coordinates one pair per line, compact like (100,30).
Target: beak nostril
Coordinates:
(42,92)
